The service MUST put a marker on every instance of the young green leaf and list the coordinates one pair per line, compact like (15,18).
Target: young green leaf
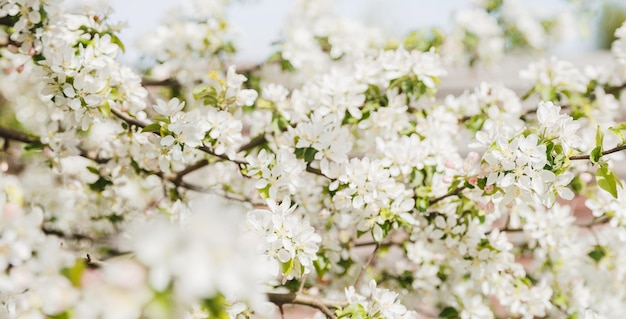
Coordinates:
(607,180)
(154,127)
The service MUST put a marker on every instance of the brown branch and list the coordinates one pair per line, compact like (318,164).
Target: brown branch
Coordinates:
(176,180)
(127,118)
(607,152)
(259,140)
(599,221)
(22,137)
(138,123)
(615,89)
(193,167)
(171,83)
(455,192)
(324,305)
(14,135)
(60,234)
(369,261)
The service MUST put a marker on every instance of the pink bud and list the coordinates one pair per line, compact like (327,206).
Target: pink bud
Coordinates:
(450,164)
(488,189)
(48,152)
(489,207)
(472,157)
(473,180)
(12,210)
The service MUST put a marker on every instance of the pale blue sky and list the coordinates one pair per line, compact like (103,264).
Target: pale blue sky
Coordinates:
(260,21)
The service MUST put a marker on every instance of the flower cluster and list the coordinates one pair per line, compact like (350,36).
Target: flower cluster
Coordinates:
(213,252)
(82,75)
(289,241)
(555,79)
(365,190)
(316,37)
(28,27)
(619,46)
(375,303)
(338,161)
(192,40)
(524,169)
(31,262)
(278,174)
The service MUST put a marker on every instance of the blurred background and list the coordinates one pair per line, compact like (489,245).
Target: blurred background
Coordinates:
(259,22)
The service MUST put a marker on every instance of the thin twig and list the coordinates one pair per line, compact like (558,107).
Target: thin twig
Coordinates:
(171,83)
(301,288)
(607,152)
(22,137)
(324,305)
(457,191)
(365,266)
(196,166)
(60,234)
(17,135)
(127,118)
(176,180)
(259,140)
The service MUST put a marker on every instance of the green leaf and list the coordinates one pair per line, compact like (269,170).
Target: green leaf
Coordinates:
(306,153)
(607,180)
(207,94)
(442,274)
(63,315)
(265,191)
(217,307)
(528,94)
(154,127)
(75,273)
(575,315)
(287,267)
(449,313)
(422,203)
(599,136)
(93,170)
(577,184)
(321,265)
(228,47)
(173,194)
(135,165)
(596,154)
(100,185)
(116,40)
(597,253)
(105,109)
(617,131)
(475,123)
(34,146)
(353,310)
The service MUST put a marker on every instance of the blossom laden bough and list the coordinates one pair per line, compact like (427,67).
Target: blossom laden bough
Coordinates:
(341,162)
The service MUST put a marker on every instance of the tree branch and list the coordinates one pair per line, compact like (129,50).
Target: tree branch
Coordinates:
(322,304)
(60,234)
(193,167)
(171,83)
(260,139)
(176,180)
(14,135)
(455,192)
(127,118)
(365,266)
(607,152)
(138,123)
